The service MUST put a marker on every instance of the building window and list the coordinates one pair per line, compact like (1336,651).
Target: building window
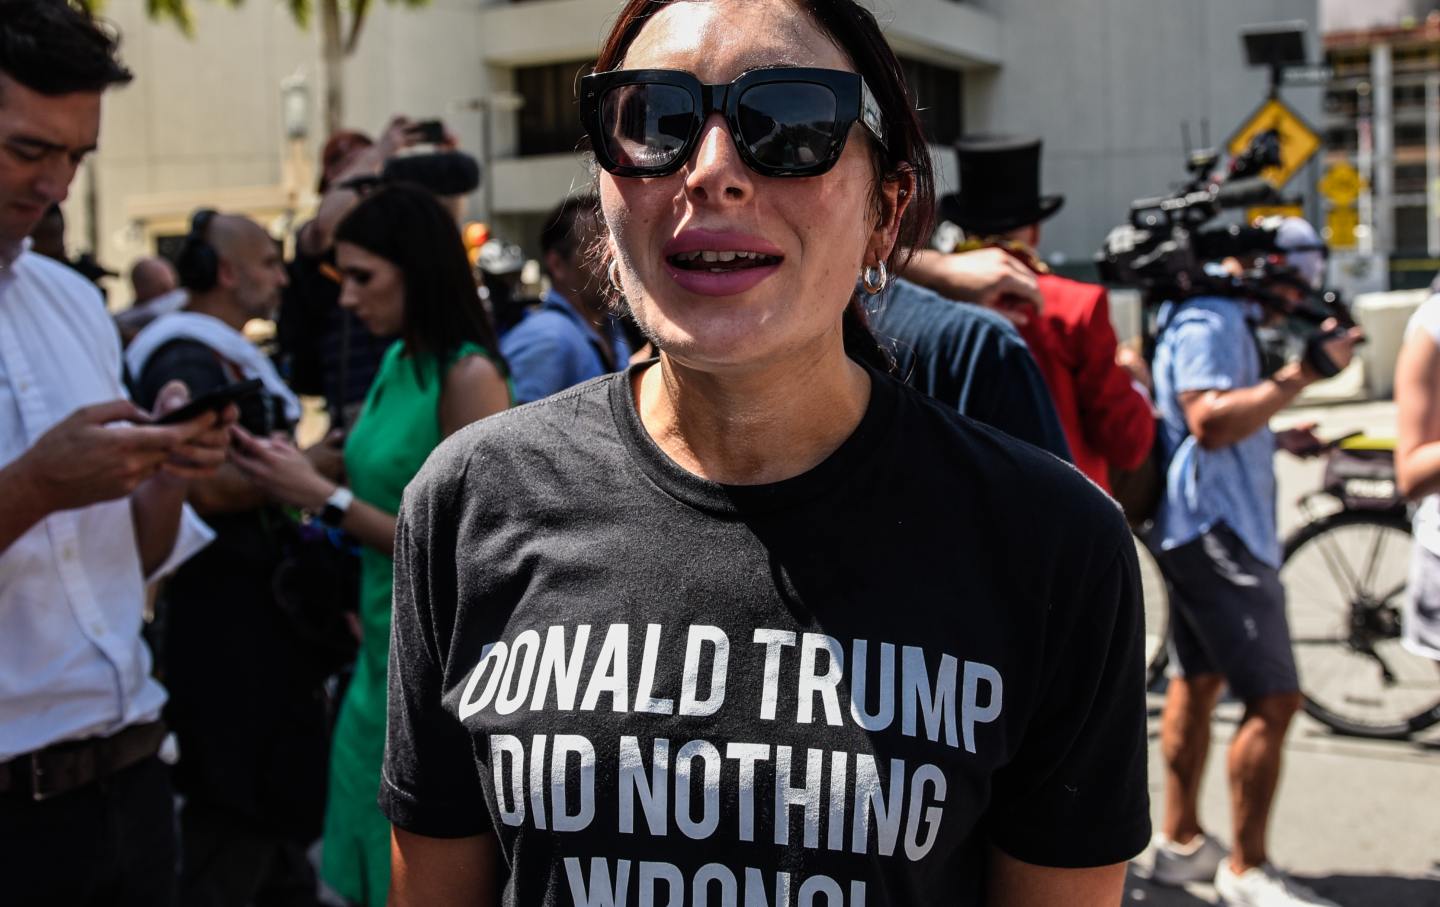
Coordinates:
(550,120)
(1342,101)
(938,96)
(1409,95)
(1409,178)
(1410,134)
(1410,230)
(1341,139)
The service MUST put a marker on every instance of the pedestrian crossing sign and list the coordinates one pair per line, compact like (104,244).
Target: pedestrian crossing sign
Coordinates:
(1298,142)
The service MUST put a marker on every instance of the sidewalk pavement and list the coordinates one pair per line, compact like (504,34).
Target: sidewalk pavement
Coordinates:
(1356,820)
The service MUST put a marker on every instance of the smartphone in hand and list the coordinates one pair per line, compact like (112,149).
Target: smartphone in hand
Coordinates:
(213,401)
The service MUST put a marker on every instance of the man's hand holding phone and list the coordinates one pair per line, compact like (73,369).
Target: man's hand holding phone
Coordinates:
(105,451)
(203,426)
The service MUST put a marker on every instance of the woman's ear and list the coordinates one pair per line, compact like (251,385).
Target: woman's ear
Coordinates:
(896,193)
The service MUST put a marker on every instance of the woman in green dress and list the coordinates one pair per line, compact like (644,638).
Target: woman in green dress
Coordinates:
(405,275)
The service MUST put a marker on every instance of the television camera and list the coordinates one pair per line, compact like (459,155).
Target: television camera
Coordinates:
(1172,246)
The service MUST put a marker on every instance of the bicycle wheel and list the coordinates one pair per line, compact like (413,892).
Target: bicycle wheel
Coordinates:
(1345,578)
(1157,614)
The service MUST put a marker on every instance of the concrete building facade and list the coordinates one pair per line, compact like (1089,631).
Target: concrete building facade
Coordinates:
(1107,83)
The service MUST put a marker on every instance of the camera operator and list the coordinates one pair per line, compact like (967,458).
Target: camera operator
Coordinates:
(1220,553)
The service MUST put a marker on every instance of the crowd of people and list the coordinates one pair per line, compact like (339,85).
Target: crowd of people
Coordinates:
(718,568)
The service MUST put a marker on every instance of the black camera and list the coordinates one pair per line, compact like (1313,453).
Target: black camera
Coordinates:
(1164,248)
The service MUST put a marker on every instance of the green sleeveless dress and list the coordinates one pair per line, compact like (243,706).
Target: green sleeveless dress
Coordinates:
(397,429)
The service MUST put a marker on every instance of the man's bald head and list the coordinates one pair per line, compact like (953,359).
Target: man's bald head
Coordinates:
(251,272)
(152,277)
(232,235)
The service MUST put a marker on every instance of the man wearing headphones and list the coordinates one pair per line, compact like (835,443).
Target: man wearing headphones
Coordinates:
(252,769)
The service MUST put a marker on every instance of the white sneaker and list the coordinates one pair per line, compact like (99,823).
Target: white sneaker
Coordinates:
(1176,864)
(1264,886)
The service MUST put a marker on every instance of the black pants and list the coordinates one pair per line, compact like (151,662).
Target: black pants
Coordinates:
(226,862)
(108,844)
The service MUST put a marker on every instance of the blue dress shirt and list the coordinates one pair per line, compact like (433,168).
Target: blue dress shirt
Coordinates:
(1206,344)
(553,348)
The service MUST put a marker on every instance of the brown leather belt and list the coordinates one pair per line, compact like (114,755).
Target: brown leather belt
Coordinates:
(63,767)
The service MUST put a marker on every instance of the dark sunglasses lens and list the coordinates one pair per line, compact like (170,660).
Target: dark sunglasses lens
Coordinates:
(788,126)
(646,125)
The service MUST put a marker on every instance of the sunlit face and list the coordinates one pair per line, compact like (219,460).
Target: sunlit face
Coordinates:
(821,229)
(255,272)
(43,140)
(373,288)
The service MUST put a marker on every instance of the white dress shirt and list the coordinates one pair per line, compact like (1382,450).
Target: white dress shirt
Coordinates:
(72,663)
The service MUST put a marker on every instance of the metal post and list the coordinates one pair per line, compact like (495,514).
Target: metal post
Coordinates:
(1365,163)
(1383,128)
(487,174)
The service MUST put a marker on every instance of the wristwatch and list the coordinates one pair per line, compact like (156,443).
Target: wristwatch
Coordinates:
(336,506)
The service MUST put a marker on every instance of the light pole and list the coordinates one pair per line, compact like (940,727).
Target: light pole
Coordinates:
(295,106)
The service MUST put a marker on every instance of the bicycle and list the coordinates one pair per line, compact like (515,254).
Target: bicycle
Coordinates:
(1344,622)
(1156,600)
(1345,574)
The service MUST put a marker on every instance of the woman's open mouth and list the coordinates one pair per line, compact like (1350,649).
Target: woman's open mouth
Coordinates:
(721,262)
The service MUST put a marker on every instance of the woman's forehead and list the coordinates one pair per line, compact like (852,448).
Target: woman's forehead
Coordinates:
(717,40)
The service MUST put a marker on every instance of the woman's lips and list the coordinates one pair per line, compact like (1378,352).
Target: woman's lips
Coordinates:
(719,283)
(764,259)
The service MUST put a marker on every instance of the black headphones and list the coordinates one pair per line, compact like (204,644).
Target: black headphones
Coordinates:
(198,264)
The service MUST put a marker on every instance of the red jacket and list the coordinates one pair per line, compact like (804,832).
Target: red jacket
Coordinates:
(1107,422)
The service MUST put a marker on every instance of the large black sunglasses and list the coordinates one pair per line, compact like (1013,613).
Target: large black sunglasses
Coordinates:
(788,121)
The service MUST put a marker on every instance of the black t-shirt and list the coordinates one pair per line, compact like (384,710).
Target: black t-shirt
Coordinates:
(968,358)
(646,682)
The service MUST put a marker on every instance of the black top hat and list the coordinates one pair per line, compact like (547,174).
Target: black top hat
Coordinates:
(999,186)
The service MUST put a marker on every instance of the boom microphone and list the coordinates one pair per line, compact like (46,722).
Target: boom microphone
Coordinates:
(439,172)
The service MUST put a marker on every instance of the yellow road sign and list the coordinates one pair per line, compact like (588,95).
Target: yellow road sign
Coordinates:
(1254,214)
(1298,142)
(1341,184)
(1340,226)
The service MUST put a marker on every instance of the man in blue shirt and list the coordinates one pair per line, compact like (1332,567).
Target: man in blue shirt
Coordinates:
(1219,551)
(572,336)
(968,358)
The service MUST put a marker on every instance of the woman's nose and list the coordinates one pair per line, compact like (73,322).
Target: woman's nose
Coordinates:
(716,171)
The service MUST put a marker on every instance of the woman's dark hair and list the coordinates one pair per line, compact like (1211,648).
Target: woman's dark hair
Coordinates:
(851,28)
(407,227)
(53,48)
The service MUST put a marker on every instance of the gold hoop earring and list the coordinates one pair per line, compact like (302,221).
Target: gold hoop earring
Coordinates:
(875,278)
(614,277)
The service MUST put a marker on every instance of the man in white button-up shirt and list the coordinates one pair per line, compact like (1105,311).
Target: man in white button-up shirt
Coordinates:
(91,507)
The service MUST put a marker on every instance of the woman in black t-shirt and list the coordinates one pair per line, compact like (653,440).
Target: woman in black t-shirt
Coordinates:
(754,623)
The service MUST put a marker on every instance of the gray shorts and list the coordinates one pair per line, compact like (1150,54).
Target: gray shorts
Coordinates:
(1227,616)
(1422,605)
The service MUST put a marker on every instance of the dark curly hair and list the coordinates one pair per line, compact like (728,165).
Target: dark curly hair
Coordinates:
(53,48)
